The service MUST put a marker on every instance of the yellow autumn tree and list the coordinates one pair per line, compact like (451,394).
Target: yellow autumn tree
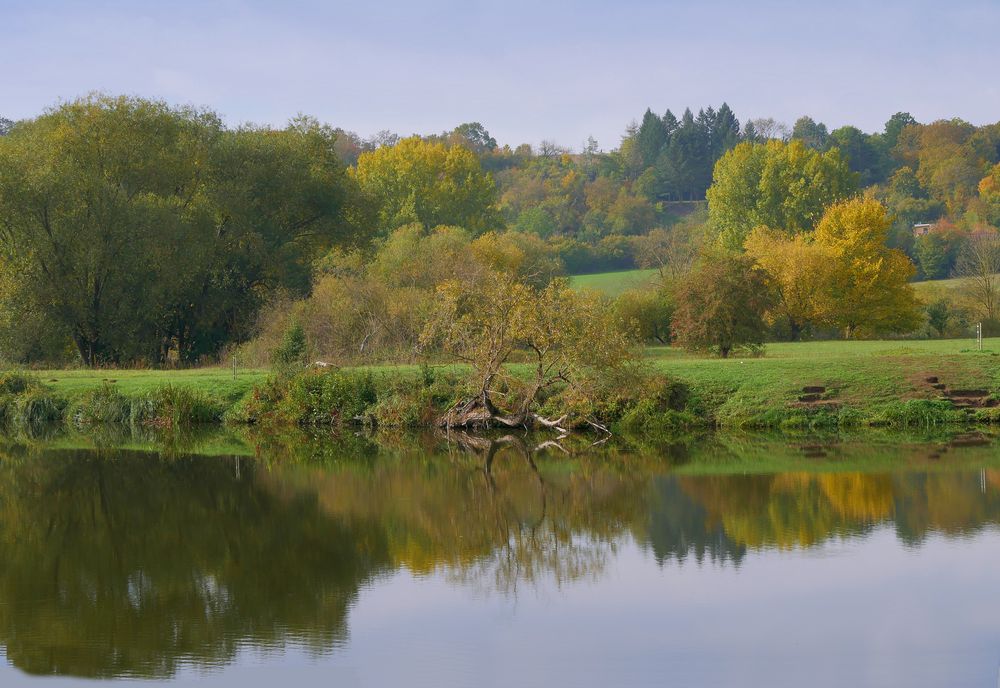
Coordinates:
(800,271)
(869,286)
(425,182)
(989,192)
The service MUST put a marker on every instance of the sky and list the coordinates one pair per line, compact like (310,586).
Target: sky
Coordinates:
(528,71)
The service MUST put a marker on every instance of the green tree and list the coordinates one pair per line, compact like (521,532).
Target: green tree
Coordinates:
(475,136)
(725,132)
(811,133)
(860,151)
(293,350)
(648,311)
(721,305)
(138,229)
(777,185)
(650,138)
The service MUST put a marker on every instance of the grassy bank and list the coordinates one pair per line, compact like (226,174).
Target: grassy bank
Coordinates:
(869,383)
(864,383)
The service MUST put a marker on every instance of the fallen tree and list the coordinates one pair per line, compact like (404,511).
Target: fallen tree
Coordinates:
(565,337)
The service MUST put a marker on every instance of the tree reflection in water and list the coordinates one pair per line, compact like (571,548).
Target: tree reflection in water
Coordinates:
(123,563)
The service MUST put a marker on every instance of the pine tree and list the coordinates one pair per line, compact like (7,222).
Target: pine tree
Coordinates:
(670,123)
(725,132)
(650,138)
(683,157)
(813,134)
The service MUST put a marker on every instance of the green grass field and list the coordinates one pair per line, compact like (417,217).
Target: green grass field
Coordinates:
(613,283)
(215,381)
(871,378)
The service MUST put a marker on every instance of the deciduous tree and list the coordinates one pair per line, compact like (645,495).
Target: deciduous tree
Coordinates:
(870,285)
(417,181)
(777,185)
(721,305)
(800,272)
(979,265)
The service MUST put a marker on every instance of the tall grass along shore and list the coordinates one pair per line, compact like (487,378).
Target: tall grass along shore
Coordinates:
(801,385)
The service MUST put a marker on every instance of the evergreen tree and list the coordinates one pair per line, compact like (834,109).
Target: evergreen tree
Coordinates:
(812,134)
(725,132)
(680,166)
(670,123)
(650,139)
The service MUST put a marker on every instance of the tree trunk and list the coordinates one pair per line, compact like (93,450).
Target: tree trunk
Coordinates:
(794,330)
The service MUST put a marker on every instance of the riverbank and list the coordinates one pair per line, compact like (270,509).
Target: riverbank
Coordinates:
(801,385)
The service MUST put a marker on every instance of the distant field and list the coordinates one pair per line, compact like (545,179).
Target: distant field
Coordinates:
(613,283)
(943,285)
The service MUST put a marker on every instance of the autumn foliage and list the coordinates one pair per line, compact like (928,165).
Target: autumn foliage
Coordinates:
(842,275)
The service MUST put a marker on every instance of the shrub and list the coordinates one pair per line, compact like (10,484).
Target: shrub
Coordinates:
(173,406)
(107,404)
(318,397)
(292,354)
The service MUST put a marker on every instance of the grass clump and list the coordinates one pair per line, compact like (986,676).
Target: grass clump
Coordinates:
(916,413)
(166,406)
(25,401)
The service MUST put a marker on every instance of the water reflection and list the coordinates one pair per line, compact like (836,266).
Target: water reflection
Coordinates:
(127,563)
(119,564)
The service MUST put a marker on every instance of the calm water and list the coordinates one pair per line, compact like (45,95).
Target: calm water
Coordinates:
(871,560)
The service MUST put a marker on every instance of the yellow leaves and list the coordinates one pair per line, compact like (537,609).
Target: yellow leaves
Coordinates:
(857,227)
(842,274)
(800,271)
(989,186)
(427,182)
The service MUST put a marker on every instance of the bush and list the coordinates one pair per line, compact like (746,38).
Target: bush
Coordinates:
(318,397)
(292,354)
(107,404)
(411,403)
(173,406)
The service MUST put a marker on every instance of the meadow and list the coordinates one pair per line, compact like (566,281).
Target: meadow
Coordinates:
(863,382)
(613,283)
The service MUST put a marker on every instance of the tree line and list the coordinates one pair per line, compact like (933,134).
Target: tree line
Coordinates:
(133,231)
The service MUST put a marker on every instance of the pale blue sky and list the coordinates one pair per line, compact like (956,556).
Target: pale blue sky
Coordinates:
(527,70)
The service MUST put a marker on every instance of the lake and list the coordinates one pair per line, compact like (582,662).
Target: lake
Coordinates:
(720,560)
